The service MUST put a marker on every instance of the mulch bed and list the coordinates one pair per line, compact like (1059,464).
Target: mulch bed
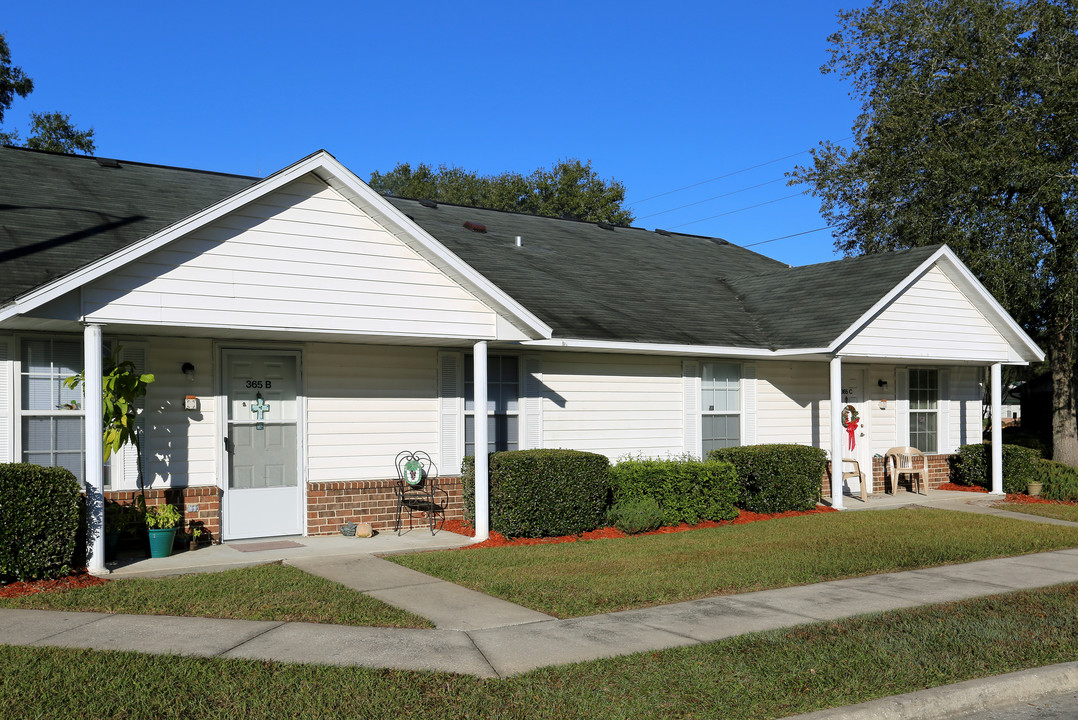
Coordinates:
(961,488)
(74,581)
(609,533)
(1023,499)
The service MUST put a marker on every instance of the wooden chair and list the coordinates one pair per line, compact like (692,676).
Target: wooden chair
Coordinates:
(855,473)
(908,461)
(416,486)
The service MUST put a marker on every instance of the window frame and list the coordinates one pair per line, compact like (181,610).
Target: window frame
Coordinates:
(911,411)
(739,413)
(21,412)
(468,373)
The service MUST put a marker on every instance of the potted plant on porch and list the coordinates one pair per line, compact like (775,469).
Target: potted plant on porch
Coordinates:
(161,521)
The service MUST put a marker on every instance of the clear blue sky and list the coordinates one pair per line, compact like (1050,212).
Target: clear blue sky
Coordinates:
(659,95)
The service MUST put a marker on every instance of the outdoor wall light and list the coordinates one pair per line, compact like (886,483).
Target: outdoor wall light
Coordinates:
(881,382)
(188,370)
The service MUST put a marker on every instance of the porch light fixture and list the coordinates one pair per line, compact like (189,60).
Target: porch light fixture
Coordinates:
(189,371)
(881,382)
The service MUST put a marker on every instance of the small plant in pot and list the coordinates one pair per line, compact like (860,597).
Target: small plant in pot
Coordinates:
(194,535)
(161,522)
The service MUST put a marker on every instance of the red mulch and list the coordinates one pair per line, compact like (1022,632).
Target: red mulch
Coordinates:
(498,540)
(78,579)
(961,488)
(1023,499)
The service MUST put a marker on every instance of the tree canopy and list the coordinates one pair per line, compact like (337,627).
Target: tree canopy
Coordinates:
(570,188)
(967,135)
(51,131)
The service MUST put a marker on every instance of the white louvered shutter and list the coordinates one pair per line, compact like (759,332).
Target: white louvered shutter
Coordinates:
(902,406)
(450,412)
(690,380)
(7,400)
(748,387)
(533,402)
(945,441)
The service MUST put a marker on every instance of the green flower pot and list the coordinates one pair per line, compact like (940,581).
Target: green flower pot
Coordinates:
(161,540)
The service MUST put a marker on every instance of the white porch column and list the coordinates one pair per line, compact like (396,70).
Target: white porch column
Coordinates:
(482,465)
(834,426)
(94,441)
(997,429)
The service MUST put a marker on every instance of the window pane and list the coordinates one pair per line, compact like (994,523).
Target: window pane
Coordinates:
(924,389)
(721,431)
(720,387)
(923,431)
(54,442)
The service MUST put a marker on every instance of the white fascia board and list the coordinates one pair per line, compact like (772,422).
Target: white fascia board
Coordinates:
(324,166)
(982,298)
(408,231)
(669,349)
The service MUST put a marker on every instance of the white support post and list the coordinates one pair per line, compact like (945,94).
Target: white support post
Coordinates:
(997,429)
(834,426)
(94,469)
(482,465)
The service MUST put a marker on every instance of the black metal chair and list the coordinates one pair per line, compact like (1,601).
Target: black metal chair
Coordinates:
(416,487)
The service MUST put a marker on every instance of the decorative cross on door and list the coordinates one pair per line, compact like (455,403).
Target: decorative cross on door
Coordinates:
(259,407)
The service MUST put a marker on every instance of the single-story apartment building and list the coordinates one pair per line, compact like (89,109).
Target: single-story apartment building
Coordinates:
(304,329)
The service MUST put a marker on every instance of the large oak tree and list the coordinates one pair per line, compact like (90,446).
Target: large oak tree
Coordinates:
(568,189)
(968,135)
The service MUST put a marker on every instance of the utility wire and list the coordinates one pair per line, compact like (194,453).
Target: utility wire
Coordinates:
(730,174)
(785,237)
(714,197)
(731,212)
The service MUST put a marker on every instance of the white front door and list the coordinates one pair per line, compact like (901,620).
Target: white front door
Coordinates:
(854,394)
(263,495)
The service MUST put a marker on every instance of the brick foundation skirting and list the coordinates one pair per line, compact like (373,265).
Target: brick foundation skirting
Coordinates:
(332,504)
(939,472)
(208,500)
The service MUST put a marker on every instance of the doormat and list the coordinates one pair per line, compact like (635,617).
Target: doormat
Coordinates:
(270,545)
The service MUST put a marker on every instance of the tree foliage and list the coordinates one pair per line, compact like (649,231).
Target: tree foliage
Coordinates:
(967,135)
(570,188)
(52,131)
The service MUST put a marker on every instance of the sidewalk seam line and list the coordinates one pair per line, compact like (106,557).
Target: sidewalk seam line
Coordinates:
(468,634)
(253,637)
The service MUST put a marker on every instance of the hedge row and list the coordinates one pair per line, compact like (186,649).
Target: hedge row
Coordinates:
(776,478)
(686,490)
(973,466)
(1060,481)
(41,521)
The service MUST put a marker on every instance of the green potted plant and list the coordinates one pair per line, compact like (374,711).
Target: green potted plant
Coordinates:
(161,522)
(194,536)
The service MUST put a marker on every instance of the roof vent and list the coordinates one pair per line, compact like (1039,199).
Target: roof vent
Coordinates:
(428,203)
(667,233)
(475,227)
(605,226)
(107,162)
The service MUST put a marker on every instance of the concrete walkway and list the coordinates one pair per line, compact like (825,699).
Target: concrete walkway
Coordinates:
(487,637)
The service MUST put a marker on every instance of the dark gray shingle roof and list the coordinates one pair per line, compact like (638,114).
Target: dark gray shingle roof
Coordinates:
(61,212)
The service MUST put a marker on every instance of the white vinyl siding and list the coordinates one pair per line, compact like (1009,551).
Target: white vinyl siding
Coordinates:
(365,404)
(615,405)
(791,397)
(300,258)
(932,319)
(181,447)
(450,411)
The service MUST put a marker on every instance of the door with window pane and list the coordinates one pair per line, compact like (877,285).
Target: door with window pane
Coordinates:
(51,415)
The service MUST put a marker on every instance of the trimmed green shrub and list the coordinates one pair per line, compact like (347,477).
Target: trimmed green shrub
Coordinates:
(687,490)
(1060,481)
(40,519)
(973,464)
(542,493)
(776,478)
(635,516)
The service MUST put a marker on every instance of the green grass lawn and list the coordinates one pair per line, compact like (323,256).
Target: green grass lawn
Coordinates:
(763,675)
(265,592)
(1059,512)
(584,578)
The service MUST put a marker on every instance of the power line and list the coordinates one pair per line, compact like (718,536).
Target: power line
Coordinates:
(730,174)
(731,212)
(784,237)
(715,197)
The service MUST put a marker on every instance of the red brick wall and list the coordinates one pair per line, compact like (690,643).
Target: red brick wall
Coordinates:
(332,504)
(208,500)
(939,472)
